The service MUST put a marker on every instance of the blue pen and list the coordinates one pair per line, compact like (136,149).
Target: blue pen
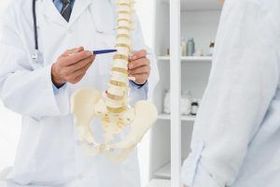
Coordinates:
(99,52)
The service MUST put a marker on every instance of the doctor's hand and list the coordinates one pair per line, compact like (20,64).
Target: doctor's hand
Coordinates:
(71,66)
(139,67)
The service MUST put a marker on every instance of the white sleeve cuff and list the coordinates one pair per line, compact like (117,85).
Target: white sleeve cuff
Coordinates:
(138,93)
(193,172)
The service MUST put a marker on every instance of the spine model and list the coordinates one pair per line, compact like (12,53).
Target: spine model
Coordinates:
(117,94)
(112,107)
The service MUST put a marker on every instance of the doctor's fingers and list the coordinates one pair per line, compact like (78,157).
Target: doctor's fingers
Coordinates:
(82,69)
(79,78)
(138,54)
(140,70)
(78,75)
(138,63)
(74,50)
(81,64)
(76,57)
(70,74)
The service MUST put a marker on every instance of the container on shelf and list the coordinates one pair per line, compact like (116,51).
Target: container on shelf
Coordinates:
(190,47)
(211,48)
(166,103)
(184,47)
(199,53)
(186,102)
(194,107)
(167,52)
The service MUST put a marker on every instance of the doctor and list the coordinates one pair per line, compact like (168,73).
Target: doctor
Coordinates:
(40,90)
(236,140)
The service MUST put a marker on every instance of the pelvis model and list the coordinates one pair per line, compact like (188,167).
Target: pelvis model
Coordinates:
(123,126)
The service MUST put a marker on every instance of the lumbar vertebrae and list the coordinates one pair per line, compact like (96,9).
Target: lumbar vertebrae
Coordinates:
(112,107)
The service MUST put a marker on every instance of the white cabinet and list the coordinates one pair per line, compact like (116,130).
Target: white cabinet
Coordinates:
(171,135)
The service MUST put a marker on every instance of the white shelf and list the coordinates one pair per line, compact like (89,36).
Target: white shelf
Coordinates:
(183,118)
(177,19)
(199,5)
(164,172)
(188,58)
(159,183)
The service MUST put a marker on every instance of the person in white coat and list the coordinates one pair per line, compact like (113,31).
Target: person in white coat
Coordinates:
(48,154)
(236,138)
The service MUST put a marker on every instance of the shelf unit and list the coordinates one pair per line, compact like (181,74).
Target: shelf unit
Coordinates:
(198,5)
(183,117)
(171,135)
(188,58)
(159,183)
(164,172)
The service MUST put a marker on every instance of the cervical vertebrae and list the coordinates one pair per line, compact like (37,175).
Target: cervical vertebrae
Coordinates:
(112,107)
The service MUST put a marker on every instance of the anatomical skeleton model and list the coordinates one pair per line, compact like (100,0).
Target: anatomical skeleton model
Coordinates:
(112,107)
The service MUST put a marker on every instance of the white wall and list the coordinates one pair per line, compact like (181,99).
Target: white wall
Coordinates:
(9,124)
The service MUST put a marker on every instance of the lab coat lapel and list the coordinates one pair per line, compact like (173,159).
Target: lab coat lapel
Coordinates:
(103,15)
(79,7)
(51,12)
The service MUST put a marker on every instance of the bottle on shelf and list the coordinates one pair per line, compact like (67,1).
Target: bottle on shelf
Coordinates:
(190,47)
(167,52)
(194,107)
(184,47)
(211,48)
(166,103)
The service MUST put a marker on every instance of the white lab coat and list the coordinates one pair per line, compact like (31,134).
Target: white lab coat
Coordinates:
(48,153)
(236,138)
